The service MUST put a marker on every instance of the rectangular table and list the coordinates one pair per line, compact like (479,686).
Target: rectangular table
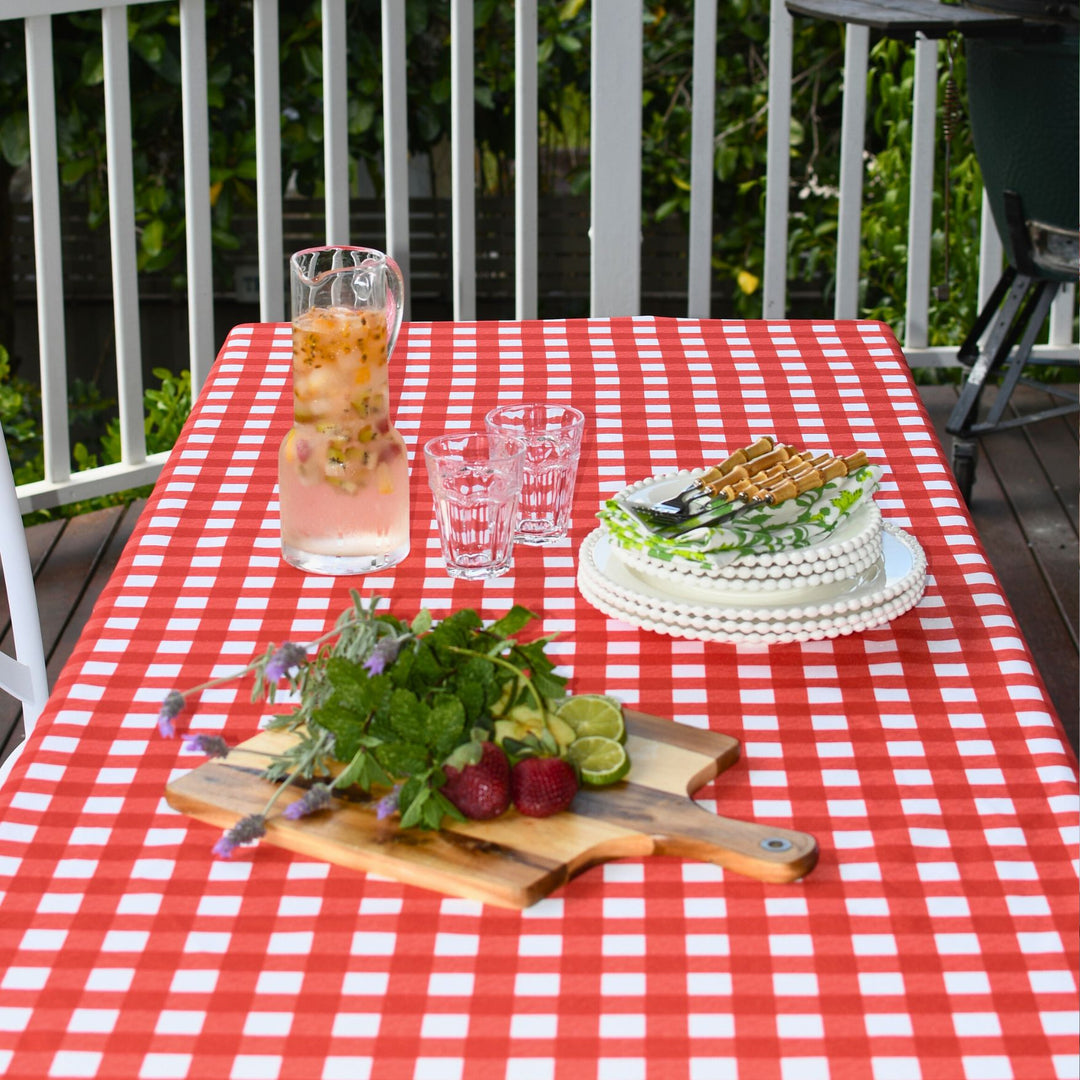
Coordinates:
(935,939)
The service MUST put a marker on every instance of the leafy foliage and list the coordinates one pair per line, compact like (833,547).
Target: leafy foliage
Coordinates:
(166,408)
(19,419)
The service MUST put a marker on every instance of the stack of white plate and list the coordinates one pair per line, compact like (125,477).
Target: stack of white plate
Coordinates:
(865,573)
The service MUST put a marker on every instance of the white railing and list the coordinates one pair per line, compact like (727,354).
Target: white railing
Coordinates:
(616,188)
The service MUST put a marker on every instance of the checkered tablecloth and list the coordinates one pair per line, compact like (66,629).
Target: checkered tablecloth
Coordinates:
(936,938)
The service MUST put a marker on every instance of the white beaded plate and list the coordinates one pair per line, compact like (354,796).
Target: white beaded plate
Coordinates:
(894,587)
(853,548)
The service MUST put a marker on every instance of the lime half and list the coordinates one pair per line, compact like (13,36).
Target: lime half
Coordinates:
(600,760)
(594,714)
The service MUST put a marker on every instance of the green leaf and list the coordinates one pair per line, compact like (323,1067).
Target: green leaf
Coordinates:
(437,807)
(475,695)
(15,138)
(345,725)
(666,209)
(352,772)
(372,773)
(446,725)
(151,47)
(535,658)
(153,237)
(361,116)
(408,715)
(412,808)
(550,685)
(92,71)
(454,632)
(224,239)
(515,620)
(311,58)
(73,171)
(352,686)
(402,759)
(421,624)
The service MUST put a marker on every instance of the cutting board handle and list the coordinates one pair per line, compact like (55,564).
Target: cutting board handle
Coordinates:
(747,847)
(678,826)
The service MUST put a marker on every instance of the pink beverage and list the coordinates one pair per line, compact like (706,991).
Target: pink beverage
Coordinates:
(343,470)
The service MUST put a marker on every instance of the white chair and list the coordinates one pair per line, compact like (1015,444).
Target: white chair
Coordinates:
(22,675)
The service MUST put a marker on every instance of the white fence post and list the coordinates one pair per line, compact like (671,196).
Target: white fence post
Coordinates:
(921,203)
(853,138)
(125,282)
(778,152)
(526,213)
(463,159)
(268,160)
(702,155)
(200,273)
(48,251)
(335,122)
(615,183)
(396,139)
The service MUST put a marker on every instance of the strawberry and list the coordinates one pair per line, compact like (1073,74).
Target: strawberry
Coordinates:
(541,786)
(480,790)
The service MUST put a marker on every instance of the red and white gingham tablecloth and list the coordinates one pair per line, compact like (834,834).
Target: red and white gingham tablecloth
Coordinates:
(936,938)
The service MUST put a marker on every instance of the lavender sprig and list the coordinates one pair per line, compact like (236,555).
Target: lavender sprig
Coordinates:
(384,654)
(213,746)
(170,709)
(246,831)
(388,804)
(287,657)
(316,798)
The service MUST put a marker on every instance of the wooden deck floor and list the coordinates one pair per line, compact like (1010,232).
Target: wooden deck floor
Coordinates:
(1024,502)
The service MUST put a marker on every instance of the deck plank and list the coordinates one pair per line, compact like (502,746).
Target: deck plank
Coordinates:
(109,554)
(72,559)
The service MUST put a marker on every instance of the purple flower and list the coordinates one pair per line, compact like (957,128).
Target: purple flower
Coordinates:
(245,831)
(315,798)
(170,708)
(388,804)
(213,746)
(384,654)
(286,657)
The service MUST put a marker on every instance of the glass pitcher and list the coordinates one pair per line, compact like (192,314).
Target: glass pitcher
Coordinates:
(343,470)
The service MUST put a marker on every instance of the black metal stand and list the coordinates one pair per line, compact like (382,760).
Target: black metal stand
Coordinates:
(1011,320)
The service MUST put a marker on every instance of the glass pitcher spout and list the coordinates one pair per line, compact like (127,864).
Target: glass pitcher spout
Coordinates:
(348,277)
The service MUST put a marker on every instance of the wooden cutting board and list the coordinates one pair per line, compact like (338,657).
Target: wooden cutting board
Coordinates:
(515,860)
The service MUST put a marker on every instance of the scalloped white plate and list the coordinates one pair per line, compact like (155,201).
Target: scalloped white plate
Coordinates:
(875,597)
(855,549)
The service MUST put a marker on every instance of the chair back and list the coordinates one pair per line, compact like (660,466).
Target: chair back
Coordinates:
(22,675)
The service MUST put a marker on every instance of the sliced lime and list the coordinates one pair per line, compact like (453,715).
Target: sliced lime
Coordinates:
(594,714)
(600,760)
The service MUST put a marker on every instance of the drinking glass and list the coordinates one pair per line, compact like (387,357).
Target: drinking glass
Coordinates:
(552,435)
(476,477)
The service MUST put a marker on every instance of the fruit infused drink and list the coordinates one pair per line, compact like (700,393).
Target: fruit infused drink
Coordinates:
(342,469)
